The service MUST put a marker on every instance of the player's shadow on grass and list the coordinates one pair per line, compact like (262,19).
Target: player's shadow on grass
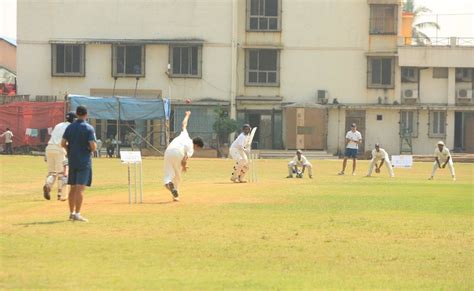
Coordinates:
(227,183)
(41,223)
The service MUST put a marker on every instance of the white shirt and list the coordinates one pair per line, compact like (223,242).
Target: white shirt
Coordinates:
(353,136)
(443,155)
(379,155)
(8,136)
(183,143)
(58,132)
(240,142)
(301,162)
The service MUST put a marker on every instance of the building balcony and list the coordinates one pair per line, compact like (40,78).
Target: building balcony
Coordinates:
(446,52)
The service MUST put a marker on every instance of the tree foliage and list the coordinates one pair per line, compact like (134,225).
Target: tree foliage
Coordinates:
(224,125)
(419,36)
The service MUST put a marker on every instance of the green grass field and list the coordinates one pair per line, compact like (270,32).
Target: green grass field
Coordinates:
(329,232)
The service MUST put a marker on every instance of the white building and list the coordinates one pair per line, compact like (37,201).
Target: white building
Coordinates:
(268,62)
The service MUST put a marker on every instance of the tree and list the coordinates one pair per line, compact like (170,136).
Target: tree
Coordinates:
(419,36)
(223,126)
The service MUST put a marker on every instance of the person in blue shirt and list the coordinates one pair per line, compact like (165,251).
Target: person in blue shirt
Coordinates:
(80,142)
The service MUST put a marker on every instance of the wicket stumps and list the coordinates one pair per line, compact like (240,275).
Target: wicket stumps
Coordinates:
(253,161)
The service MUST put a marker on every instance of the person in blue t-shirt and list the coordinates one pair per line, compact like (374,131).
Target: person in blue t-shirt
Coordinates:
(80,142)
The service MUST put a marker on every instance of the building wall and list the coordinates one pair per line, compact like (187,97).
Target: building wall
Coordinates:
(323,45)
(7,55)
(135,20)
(432,90)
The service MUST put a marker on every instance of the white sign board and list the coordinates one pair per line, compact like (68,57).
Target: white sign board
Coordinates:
(130,157)
(402,161)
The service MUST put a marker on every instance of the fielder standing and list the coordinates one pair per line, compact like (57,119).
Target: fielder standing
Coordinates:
(238,151)
(57,160)
(442,155)
(176,156)
(379,154)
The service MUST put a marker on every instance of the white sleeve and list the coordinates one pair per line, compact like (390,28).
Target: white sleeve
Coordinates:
(305,160)
(448,152)
(241,141)
(347,135)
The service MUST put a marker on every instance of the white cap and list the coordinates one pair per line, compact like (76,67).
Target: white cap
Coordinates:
(440,143)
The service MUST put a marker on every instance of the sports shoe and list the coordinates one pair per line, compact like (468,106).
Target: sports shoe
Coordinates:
(311,176)
(242,181)
(235,180)
(62,198)
(341,174)
(289,176)
(78,217)
(454,178)
(46,190)
(431,178)
(71,216)
(175,194)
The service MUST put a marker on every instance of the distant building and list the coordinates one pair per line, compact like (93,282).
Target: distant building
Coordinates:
(301,76)
(7,66)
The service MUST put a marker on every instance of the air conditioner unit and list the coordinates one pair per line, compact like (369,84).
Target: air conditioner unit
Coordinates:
(410,93)
(464,94)
(322,97)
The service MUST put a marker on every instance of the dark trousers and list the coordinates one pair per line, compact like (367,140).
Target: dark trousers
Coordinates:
(110,151)
(8,148)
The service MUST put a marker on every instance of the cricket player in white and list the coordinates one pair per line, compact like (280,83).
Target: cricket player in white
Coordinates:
(57,160)
(379,154)
(238,151)
(442,155)
(176,156)
(299,161)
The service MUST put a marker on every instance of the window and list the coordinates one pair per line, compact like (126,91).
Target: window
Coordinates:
(440,73)
(68,60)
(463,74)
(263,15)
(185,61)
(379,117)
(262,67)
(437,123)
(408,123)
(128,61)
(383,19)
(409,75)
(380,72)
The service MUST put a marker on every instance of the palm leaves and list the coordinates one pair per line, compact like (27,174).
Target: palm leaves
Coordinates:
(420,37)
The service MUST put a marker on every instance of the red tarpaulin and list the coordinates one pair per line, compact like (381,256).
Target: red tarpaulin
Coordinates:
(30,121)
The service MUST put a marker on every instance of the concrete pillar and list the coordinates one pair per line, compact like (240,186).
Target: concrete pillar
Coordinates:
(451,86)
(450,129)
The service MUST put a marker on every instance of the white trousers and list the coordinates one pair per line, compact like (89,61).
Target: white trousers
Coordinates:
(450,166)
(57,166)
(291,165)
(387,163)
(241,163)
(172,167)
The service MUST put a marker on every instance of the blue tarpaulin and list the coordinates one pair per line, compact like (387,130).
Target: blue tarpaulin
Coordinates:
(130,108)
